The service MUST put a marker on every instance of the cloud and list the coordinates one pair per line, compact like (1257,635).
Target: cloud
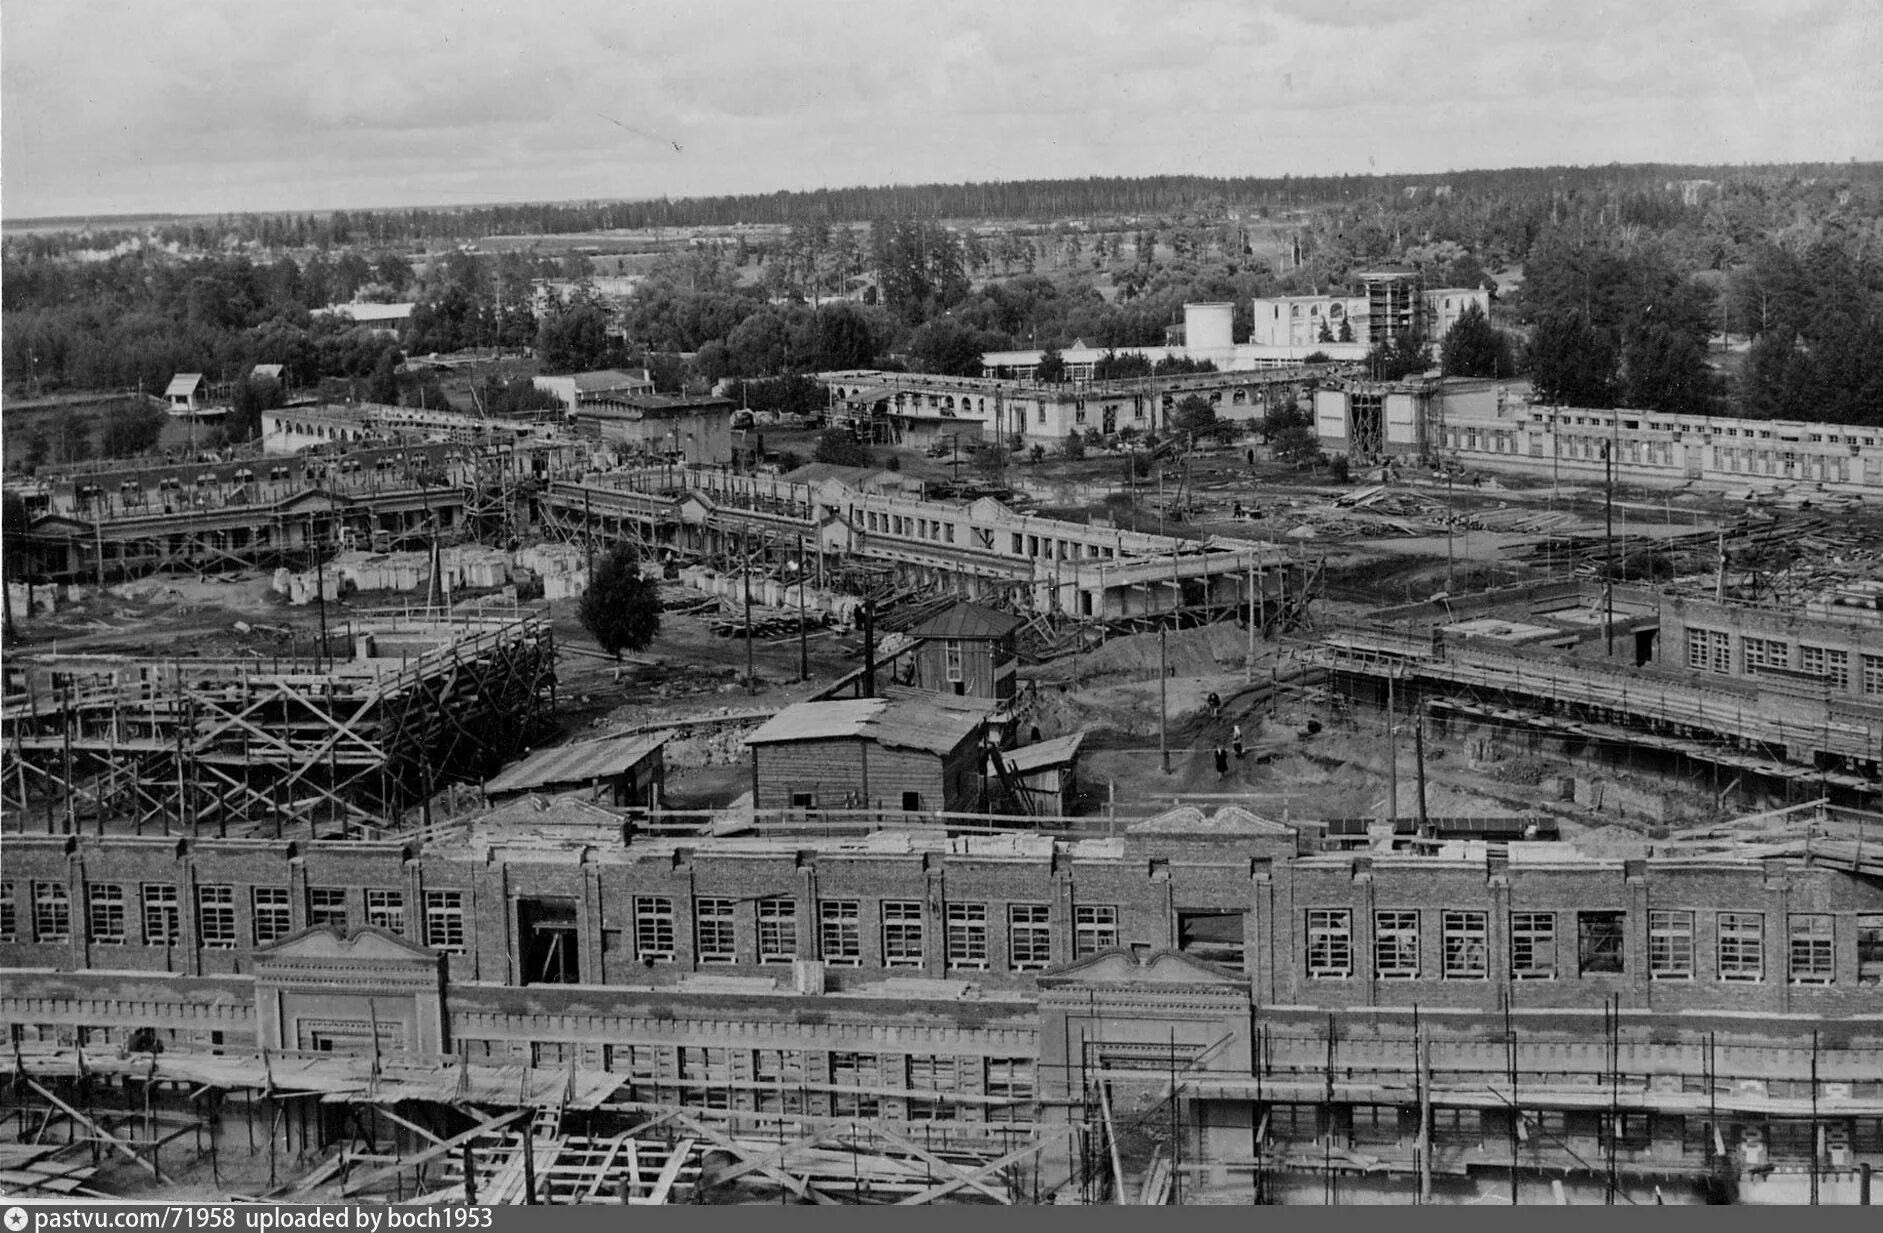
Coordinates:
(121,106)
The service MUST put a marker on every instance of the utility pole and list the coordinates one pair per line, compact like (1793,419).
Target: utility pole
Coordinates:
(1418,749)
(1451,526)
(745,577)
(804,648)
(1392,751)
(1608,567)
(1248,664)
(1163,702)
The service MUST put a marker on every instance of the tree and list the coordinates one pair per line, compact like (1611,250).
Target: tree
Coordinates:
(252,396)
(840,447)
(130,430)
(621,607)
(1195,415)
(1572,364)
(1074,449)
(383,385)
(1346,331)
(1052,367)
(1473,347)
(1290,432)
(1397,359)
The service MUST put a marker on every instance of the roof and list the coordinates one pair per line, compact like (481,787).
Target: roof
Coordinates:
(183,383)
(967,620)
(1056,752)
(578,763)
(885,721)
(1229,820)
(268,370)
(648,404)
(610,379)
(372,312)
(859,478)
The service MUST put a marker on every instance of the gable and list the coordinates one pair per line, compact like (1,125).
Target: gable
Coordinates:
(365,945)
(1124,967)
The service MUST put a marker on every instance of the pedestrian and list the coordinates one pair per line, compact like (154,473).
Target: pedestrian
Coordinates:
(1222,762)
(1216,705)
(1235,739)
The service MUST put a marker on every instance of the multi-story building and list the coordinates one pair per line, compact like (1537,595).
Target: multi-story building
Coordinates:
(1666,1007)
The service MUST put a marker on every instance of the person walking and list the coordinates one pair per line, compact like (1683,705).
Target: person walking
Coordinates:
(1216,705)
(1222,762)
(1235,739)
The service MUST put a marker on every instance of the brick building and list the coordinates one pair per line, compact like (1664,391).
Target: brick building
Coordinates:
(990,981)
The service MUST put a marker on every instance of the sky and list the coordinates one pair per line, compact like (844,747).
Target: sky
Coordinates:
(136,106)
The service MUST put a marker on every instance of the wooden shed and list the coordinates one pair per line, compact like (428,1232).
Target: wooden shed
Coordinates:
(967,649)
(888,754)
(621,770)
(1045,776)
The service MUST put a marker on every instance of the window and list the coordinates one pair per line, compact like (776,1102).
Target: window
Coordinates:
(385,909)
(1833,665)
(444,920)
(9,914)
(1870,949)
(1742,946)
(861,1074)
(162,924)
(1813,960)
(902,933)
(1873,674)
(1214,937)
(912,802)
(327,907)
(1766,653)
(777,929)
(1094,929)
(273,920)
(105,913)
(215,917)
(840,932)
(713,932)
(1599,942)
(1396,945)
(1009,1079)
(1670,945)
(52,912)
(1029,937)
(653,928)
(1709,651)
(966,928)
(1330,943)
(1533,945)
(951,658)
(1467,955)
(939,1075)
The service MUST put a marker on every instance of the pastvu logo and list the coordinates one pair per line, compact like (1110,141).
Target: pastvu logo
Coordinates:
(16,1219)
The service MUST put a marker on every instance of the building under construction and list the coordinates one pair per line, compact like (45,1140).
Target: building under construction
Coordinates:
(556,1002)
(1788,696)
(376,716)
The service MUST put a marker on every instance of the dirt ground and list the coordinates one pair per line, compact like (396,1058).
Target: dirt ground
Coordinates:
(1111,693)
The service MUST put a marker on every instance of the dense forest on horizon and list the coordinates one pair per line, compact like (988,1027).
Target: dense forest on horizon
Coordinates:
(1626,275)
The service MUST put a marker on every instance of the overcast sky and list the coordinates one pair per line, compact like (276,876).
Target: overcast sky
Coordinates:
(118,106)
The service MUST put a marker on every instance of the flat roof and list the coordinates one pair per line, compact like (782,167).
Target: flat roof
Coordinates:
(902,724)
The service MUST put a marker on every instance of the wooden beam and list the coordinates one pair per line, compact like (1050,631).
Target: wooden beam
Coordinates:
(355,1185)
(103,1134)
(664,1183)
(936,1191)
(917,1150)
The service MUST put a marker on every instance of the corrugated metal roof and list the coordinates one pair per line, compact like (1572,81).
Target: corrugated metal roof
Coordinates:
(891,722)
(183,383)
(577,763)
(967,620)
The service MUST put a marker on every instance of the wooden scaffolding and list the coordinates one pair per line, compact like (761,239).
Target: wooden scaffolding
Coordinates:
(245,747)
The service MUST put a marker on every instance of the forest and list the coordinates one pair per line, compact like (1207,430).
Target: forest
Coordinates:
(1609,284)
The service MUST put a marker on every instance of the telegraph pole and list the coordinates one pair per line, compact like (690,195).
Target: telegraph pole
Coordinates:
(1392,751)
(1608,566)
(745,577)
(1163,702)
(804,649)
